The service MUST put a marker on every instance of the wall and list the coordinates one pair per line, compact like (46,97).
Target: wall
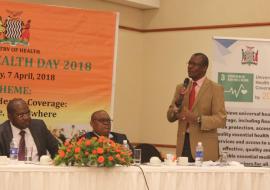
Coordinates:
(128,84)
(150,64)
(128,92)
(179,13)
(166,55)
(167,52)
(129,16)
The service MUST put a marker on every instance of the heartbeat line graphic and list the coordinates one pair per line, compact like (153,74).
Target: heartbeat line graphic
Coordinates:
(236,92)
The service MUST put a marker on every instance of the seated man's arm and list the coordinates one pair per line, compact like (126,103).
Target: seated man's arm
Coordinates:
(51,141)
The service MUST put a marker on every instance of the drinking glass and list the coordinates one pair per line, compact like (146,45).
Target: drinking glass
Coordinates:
(137,156)
(28,155)
(223,159)
(169,157)
(182,161)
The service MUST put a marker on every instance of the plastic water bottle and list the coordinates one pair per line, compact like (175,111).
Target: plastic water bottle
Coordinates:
(199,154)
(125,144)
(13,151)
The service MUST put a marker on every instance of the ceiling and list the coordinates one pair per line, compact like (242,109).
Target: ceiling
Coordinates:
(140,4)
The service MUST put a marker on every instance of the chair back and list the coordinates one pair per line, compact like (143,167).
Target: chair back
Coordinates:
(148,151)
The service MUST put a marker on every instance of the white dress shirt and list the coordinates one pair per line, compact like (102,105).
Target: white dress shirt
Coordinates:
(199,85)
(29,141)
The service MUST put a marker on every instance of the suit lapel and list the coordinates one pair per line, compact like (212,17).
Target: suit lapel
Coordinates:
(8,135)
(35,137)
(202,91)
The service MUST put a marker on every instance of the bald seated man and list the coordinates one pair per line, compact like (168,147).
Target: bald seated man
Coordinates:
(36,134)
(101,124)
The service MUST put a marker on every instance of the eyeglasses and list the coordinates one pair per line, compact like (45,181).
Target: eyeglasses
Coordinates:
(104,120)
(194,64)
(21,115)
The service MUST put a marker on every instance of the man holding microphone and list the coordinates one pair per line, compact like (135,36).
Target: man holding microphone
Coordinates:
(199,108)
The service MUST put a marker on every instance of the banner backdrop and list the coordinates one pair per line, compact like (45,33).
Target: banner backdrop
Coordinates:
(242,66)
(60,60)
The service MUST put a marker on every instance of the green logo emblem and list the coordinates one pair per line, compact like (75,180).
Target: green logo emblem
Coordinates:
(238,87)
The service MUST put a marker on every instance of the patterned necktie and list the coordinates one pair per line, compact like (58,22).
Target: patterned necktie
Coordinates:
(21,154)
(192,95)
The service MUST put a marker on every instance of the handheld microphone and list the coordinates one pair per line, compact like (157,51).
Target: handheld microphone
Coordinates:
(181,96)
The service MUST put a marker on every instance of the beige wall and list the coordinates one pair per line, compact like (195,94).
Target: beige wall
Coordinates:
(149,65)
(166,53)
(127,114)
(179,13)
(128,89)
(129,16)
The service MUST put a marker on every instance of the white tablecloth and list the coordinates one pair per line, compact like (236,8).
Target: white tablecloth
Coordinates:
(37,177)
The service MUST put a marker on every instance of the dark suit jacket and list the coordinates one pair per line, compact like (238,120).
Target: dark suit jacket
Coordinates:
(117,138)
(43,138)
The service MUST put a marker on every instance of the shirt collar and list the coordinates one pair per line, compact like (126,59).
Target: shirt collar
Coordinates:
(16,130)
(200,81)
(110,135)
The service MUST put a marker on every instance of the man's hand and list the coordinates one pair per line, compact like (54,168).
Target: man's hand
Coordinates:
(186,115)
(183,90)
(181,94)
(175,111)
(172,113)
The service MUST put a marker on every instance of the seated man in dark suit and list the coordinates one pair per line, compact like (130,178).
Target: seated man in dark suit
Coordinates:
(101,124)
(26,132)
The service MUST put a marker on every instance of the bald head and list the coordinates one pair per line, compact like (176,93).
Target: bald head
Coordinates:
(96,113)
(101,122)
(19,113)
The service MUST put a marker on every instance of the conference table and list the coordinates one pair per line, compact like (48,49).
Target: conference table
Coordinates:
(48,177)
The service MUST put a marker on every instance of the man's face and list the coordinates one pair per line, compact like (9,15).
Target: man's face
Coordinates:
(101,123)
(21,117)
(196,69)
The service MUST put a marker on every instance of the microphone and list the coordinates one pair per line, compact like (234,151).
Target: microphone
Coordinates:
(181,96)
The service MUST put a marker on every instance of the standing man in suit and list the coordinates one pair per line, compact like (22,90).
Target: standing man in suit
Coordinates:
(101,124)
(199,109)
(30,132)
